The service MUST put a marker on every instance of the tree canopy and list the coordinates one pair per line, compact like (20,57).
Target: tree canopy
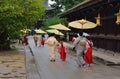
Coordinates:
(54,20)
(16,15)
(60,5)
(70,3)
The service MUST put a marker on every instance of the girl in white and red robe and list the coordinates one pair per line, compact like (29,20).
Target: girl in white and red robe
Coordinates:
(88,52)
(42,41)
(62,51)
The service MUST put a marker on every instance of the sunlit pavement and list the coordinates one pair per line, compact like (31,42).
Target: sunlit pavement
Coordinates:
(69,68)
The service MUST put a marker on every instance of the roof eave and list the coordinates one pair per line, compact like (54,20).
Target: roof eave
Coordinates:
(80,6)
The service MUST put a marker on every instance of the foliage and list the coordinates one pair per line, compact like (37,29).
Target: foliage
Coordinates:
(33,11)
(57,6)
(54,20)
(60,5)
(16,15)
(70,3)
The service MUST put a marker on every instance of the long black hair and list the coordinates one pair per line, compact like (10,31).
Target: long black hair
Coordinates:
(52,34)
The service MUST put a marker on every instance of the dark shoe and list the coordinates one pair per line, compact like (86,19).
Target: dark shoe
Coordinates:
(73,48)
(54,60)
(79,66)
(83,65)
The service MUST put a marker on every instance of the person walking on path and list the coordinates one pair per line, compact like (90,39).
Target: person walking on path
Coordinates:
(25,40)
(88,52)
(35,39)
(42,41)
(52,45)
(62,49)
(73,39)
(46,36)
(79,46)
(39,38)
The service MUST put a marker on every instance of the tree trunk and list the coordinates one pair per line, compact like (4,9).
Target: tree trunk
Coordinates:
(4,42)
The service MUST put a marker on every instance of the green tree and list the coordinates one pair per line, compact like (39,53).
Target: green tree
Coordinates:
(70,3)
(60,5)
(54,20)
(57,5)
(16,15)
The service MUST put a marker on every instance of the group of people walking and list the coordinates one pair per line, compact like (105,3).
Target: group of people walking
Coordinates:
(53,44)
(40,39)
(82,46)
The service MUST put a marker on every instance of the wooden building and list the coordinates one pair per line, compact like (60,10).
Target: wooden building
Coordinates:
(107,34)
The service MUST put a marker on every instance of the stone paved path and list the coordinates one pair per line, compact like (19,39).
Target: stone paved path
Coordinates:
(12,65)
(68,69)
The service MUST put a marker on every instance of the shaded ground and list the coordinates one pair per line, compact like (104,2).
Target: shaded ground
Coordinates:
(12,64)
